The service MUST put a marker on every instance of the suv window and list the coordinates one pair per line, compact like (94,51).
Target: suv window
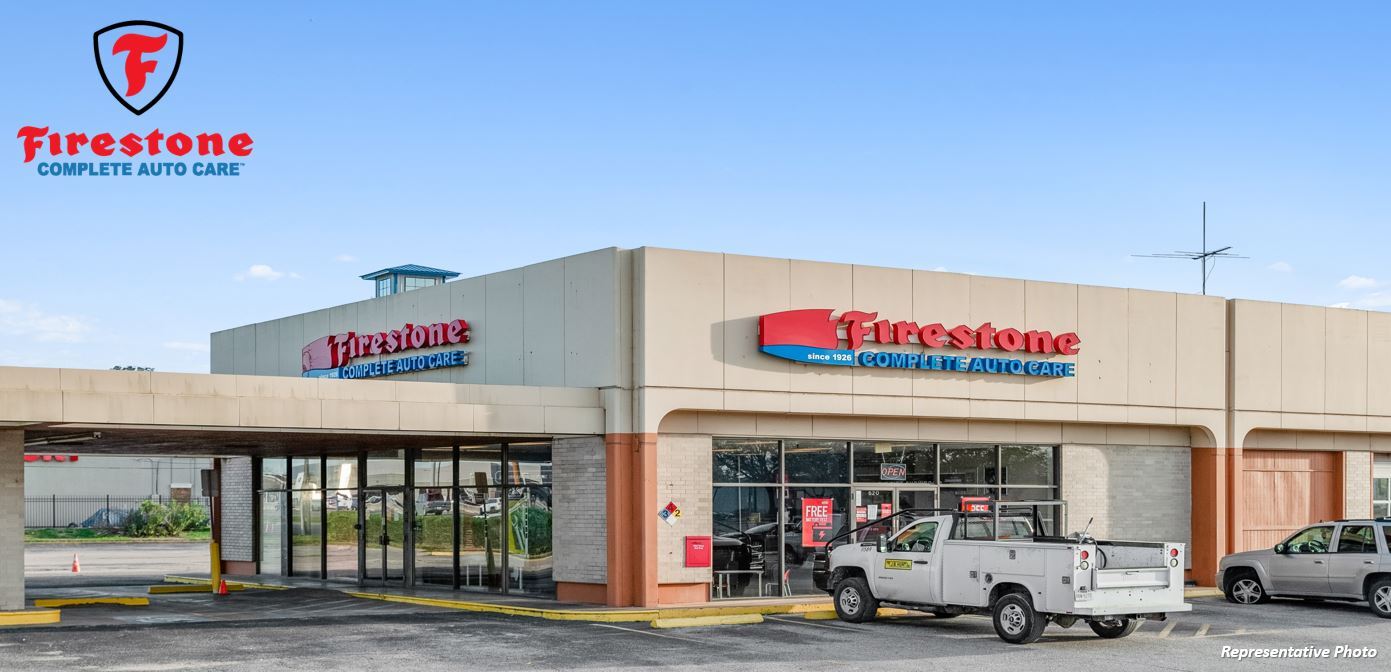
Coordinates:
(916,539)
(1311,540)
(1386,531)
(1357,539)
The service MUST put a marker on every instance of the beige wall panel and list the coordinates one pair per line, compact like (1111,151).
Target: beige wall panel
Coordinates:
(571,396)
(1083,433)
(1303,335)
(1345,441)
(1256,360)
(426,417)
(1151,337)
(1345,369)
(468,302)
(341,319)
(999,301)
(833,427)
(1042,410)
(753,286)
(277,387)
(432,306)
(522,419)
(726,424)
(891,428)
(436,393)
(571,420)
(1322,441)
(1379,363)
(1039,432)
(1345,423)
(358,390)
(822,403)
(193,384)
(1150,415)
(683,422)
(115,382)
(1051,307)
(196,410)
(944,298)
(783,425)
(1102,319)
(763,402)
(992,409)
(503,326)
(934,407)
(26,378)
(508,395)
(31,405)
(1170,436)
(990,431)
(1201,379)
(594,331)
(889,292)
(1102,413)
(682,308)
(881,405)
(942,430)
(1270,439)
(261,412)
(817,284)
(1123,435)
(543,330)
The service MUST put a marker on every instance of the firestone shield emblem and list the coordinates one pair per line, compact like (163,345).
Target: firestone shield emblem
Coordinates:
(138,61)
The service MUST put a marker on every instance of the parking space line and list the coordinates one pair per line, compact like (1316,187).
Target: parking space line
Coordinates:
(1168,629)
(1202,630)
(842,628)
(646,632)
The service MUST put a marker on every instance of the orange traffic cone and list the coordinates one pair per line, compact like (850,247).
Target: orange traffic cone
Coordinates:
(75,567)
(222,587)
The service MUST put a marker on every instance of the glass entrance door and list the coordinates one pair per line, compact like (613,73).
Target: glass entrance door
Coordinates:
(871,504)
(383,537)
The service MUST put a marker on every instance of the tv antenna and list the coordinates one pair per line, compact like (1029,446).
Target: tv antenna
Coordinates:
(1203,256)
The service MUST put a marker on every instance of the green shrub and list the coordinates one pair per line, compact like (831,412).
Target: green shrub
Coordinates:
(152,519)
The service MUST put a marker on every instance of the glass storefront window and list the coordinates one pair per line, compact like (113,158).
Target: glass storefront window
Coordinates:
(274,473)
(529,463)
(305,474)
(480,465)
(342,508)
(341,473)
(306,531)
(434,533)
(387,467)
(434,467)
(813,515)
(1047,515)
(272,532)
(1027,465)
(813,461)
(480,535)
(968,464)
(894,461)
(529,540)
(745,461)
(744,550)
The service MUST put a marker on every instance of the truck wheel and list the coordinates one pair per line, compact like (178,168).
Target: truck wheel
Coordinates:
(1379,598)
(1115,628)
(1245,588)
(854,602)
(1016,621)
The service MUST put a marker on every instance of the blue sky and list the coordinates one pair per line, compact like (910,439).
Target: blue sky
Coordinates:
(1020,139)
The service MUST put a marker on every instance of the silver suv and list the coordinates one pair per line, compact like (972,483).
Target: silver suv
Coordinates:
(1339,560)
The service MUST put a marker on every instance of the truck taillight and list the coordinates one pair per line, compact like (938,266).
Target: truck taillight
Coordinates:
(1085,555)
(1173,552)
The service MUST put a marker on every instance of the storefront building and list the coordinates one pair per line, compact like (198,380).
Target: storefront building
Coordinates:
(654,426)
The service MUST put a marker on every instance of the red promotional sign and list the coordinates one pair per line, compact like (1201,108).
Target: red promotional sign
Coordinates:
(816,521)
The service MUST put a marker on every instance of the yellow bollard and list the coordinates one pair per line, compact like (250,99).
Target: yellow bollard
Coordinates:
(216,573)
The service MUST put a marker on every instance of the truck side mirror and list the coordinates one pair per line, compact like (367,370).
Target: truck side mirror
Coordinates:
(883,543)
(1281,549)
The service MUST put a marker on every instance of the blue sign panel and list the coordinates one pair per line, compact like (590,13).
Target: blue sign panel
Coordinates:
(391,367)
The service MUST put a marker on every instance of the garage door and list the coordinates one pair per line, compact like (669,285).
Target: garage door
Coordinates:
(1285,490)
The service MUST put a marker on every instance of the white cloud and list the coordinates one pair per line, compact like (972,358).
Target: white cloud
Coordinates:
(1341,304)
(345,258)
(1281,267)
(190,346)
(28,321)
(1358,282)
(263,272)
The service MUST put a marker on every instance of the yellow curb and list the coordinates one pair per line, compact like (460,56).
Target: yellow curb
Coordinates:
(77,601)
(829,615)
(31,617)
(204,582)
(191,588)
(1202,592)
(701,621)
(616,616)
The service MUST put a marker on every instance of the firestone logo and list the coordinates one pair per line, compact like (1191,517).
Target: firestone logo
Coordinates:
(137,62)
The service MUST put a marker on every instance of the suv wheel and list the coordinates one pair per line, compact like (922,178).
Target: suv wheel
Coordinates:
(1016,621)
(854,603)
(1379,598)
(1245,588)
(1115,628)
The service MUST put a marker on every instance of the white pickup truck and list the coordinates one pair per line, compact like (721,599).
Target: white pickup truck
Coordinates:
(957,563)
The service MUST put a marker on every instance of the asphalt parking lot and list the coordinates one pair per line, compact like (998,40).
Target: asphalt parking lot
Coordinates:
(294,632)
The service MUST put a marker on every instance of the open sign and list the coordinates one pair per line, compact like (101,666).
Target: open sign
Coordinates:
(889,471)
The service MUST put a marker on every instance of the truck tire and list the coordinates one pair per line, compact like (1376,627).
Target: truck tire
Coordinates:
(1114,629)
(1245,588)
(854,603)
(1379,598)
(1016,621)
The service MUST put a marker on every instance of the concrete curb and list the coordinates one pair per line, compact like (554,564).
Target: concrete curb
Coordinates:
(1189,593)
(190,588)
(193,580)
(79,601)
(703,621)
(31,617)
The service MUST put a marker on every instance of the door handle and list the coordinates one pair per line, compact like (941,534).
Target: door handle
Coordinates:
(1318,562)
(1368,562)
(920,562)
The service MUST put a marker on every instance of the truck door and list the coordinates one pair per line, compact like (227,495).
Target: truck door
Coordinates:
(909,570)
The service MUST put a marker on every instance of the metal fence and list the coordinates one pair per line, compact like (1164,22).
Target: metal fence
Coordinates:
(99,511)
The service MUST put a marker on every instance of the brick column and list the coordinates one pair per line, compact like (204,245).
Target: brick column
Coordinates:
(11,519)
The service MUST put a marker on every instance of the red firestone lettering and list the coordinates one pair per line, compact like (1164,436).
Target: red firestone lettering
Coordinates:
(1039,341)
(136,68)
(962,337)
(902,330)
(1009,339)
(102,144)
(1067,343)
(856,326)
(931,335)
